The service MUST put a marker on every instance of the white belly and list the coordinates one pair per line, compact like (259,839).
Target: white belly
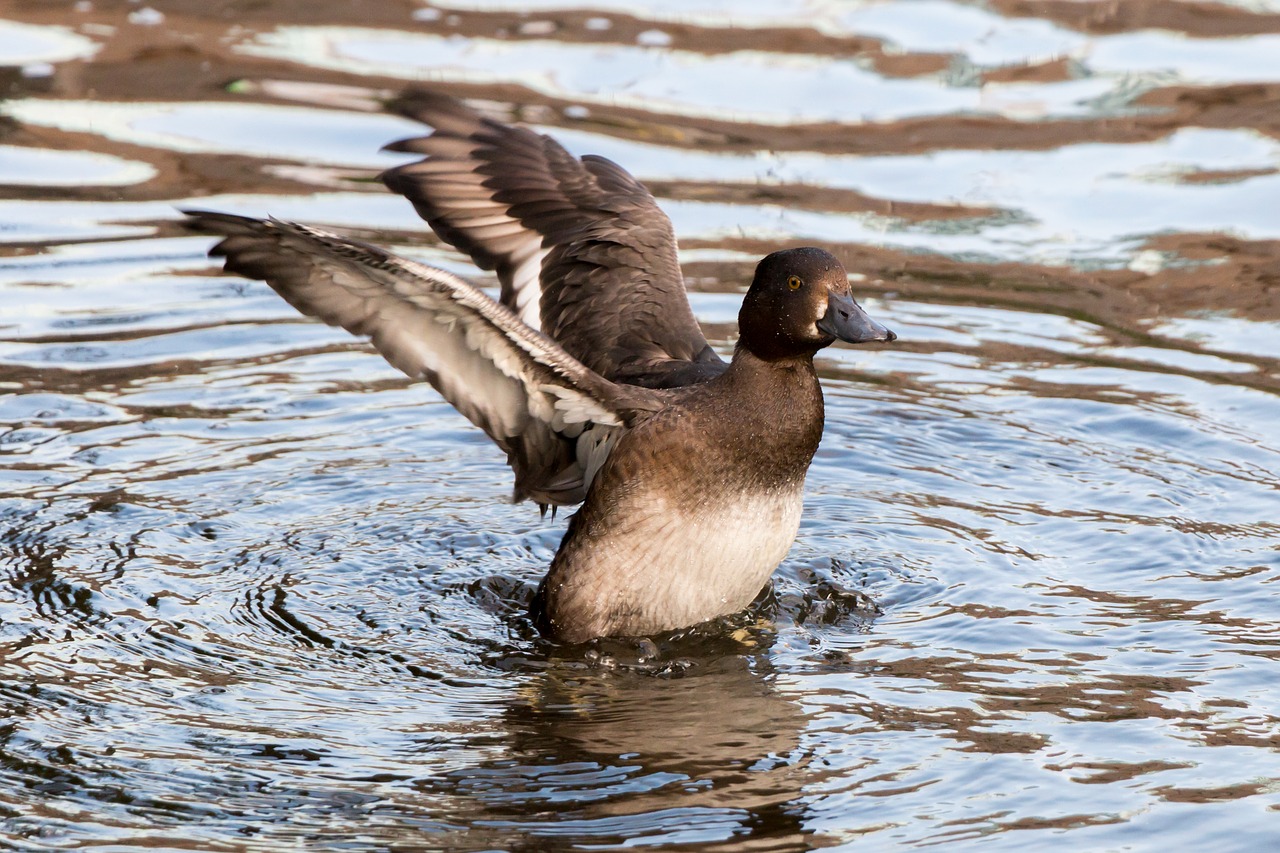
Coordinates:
(661,569)
(723,558)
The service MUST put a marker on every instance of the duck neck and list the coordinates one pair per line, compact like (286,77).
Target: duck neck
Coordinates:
(781,416)
(785,369)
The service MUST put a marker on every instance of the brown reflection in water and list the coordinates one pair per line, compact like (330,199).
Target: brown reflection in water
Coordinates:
(1160,112)
(1084,697)
(971,728)
(988,684)
(84,380)
(1249,105)
(1131,609)
(605,755)
(1073,821)
(1244,276)
(1107,772)
(192,58)
(1175,794)
(1242,279)
(570,26)
(1201,20)
(1053,71)
(818,198)
(730,736)
(1123,303)
(1222,176)
(178,174)
(1104,699)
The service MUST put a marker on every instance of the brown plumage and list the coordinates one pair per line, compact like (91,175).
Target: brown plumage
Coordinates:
(564,235)
(691,487)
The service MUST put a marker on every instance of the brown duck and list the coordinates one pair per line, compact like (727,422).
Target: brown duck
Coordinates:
(591,371)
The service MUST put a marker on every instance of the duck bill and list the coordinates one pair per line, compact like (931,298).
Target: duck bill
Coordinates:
(846,321)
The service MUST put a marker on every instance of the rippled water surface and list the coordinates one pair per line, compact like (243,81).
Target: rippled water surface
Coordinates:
(260,590)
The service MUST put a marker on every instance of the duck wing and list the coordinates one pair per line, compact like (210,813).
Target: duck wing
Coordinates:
(581,248)
(554,417)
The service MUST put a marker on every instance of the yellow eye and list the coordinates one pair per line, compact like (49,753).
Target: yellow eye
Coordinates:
(794,282)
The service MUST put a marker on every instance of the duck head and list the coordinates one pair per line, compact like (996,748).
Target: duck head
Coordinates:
(798,303)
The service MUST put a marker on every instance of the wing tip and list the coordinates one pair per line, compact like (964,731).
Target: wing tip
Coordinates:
(226,226)
(442,112)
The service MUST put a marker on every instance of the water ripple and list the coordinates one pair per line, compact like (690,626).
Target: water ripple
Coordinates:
(257,590)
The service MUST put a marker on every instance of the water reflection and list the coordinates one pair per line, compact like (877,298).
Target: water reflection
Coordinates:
(597,757)
(254,129)
(256,589)
(33,48)
(802,89)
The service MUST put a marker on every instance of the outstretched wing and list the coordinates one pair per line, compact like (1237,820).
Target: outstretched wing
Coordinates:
(556,419)
(580,247)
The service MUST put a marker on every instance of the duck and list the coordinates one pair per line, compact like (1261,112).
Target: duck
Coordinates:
(589,370)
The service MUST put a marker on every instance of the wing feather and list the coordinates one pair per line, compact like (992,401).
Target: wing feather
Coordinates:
(550,413)
(562,233)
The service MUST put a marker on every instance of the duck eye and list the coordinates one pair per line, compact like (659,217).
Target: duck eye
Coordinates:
(794,282)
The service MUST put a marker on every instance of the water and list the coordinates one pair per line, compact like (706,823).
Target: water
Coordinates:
(259,590)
